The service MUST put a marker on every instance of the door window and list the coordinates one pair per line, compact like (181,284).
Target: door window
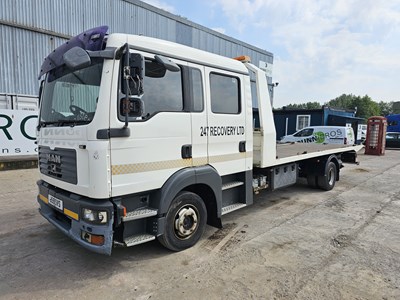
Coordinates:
(197,89)
(162,89)
(225,93)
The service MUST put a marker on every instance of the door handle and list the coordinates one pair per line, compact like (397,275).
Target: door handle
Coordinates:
(186,151)
(242,146)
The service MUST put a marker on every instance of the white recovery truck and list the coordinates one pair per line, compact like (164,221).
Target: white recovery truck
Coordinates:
(140,139)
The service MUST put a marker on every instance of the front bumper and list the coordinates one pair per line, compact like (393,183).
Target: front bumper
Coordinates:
(68,219)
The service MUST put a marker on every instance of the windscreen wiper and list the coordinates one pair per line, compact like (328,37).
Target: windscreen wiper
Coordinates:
(44,124)
(72,123)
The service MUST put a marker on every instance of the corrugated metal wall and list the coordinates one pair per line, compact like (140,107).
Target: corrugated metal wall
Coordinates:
(30,29)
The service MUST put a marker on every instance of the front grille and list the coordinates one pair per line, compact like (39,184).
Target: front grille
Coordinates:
(58,163)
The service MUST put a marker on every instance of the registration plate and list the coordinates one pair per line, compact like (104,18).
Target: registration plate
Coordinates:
(57,203)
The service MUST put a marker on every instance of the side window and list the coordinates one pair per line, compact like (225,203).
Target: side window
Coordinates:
(304,132)
(197,88)
(300,133)
(308,132)
(162,89)
(225,97)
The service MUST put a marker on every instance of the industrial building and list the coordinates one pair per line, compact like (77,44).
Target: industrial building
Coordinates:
(31,29)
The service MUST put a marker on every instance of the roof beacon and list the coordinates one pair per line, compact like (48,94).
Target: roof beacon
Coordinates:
(243,58)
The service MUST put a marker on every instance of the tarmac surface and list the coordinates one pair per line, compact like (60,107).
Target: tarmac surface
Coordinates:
(294,243)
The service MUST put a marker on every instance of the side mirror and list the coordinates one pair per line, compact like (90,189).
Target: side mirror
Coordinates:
(76,58)
(132,74)
(131,107)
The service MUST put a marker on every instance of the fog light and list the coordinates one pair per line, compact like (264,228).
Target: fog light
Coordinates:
(92,238)
(94,216)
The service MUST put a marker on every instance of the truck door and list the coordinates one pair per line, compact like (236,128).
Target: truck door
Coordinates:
(226,122)
(153,151)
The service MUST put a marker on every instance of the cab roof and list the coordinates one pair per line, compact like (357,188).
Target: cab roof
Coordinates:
(177,51)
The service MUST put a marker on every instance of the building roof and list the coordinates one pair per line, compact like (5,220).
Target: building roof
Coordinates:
(285,110)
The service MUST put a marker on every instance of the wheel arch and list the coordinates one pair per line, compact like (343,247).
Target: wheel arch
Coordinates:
(318,166)
(208,196)
(203,181)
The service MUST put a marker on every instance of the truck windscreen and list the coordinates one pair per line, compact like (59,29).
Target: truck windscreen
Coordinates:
(70,98)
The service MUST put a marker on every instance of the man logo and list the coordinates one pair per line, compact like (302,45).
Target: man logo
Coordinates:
(54,158)
(53,168)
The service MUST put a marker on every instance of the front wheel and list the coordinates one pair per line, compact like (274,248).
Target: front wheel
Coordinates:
(185,222)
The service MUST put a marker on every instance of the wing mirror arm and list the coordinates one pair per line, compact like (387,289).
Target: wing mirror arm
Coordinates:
(126,77)
(132,85)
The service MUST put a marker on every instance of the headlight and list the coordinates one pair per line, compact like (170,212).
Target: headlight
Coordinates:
(94,216)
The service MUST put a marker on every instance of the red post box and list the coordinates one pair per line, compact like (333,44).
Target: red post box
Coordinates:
(376,136)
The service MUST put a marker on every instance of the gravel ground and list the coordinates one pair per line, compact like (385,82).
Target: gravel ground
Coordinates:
(294,243)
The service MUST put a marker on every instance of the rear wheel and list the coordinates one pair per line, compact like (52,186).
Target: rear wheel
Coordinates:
(185,222)
(328,181)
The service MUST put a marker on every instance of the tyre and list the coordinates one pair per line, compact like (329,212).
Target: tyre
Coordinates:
(328,181)
(185,222)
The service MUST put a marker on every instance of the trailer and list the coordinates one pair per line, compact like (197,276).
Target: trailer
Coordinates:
(142,139)
(393,123)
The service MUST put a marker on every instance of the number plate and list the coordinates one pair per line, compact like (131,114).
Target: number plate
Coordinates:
(57,203)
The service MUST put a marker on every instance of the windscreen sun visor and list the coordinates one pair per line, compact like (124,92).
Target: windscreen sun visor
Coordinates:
(92,40)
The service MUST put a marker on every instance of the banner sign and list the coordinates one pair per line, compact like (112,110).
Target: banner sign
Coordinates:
(17,132)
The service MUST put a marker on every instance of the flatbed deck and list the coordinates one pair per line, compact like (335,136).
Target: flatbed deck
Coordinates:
(291,152)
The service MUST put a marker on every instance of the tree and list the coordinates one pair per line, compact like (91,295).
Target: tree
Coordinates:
(343,101)
(386,108)
(365,107)
(308,105)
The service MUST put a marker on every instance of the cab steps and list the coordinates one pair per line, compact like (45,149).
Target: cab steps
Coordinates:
(140,213)
(138,239)
(231,185)
(232,207)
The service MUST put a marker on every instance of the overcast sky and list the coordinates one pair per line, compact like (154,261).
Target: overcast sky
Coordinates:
(321,48)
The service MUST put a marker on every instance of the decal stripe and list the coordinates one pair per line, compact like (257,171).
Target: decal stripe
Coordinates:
(151,166)
(71,214)
(227,157)
(179,163)
(44,199)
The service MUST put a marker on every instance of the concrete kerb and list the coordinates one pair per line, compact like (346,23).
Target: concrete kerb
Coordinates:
(15,162)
